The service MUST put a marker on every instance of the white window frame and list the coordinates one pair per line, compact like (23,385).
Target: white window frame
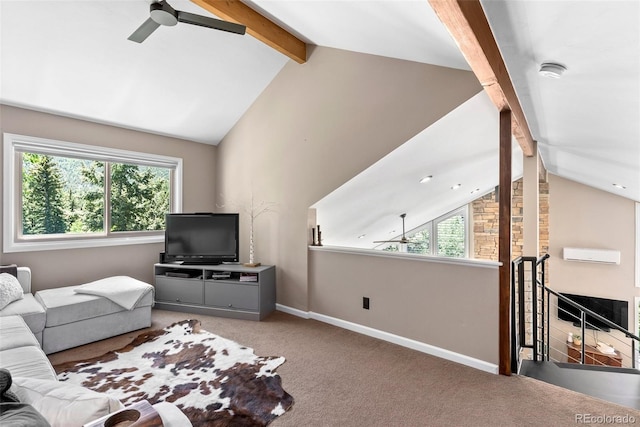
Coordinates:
(13,144)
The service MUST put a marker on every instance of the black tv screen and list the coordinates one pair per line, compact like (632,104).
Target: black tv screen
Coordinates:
(615,311)
(202,238)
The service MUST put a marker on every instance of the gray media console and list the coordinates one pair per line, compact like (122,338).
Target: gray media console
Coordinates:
(227,290)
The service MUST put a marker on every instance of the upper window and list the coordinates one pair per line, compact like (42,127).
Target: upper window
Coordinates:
(445,236)
(65,195)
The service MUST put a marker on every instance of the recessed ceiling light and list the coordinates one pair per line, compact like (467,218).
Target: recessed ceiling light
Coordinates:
(361,236)
(551,69)
(426,179)
(475,191)
(455,187)
(620,186)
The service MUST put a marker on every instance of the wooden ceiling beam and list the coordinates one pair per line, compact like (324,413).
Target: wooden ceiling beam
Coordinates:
(468,25)
(258,26)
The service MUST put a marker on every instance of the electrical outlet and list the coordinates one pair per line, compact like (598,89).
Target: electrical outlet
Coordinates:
(365,303)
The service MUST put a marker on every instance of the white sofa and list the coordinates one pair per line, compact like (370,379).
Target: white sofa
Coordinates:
(64,405)
(34,379)
(31,310)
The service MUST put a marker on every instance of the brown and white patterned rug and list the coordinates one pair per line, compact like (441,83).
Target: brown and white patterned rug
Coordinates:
(213,380)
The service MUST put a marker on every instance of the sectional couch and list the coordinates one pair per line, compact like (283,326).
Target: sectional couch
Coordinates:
(34,380)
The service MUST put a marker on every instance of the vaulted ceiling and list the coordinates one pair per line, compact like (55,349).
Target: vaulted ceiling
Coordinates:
(195,83)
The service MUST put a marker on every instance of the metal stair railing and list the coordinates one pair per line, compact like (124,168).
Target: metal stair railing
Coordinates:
(531,327)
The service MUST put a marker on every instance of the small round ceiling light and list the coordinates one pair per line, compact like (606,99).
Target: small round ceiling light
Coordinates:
(426,179)
(552,70)
(455,187)
(620,186)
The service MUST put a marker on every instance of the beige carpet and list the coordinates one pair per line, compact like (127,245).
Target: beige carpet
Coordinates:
(340,378)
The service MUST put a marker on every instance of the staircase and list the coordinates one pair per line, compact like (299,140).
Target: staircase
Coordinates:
(540,347)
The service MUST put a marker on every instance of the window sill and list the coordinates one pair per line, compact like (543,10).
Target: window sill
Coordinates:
(408,256)
(79,243)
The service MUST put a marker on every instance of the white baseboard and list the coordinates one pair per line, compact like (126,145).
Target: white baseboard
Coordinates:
(395,339)
(292,311)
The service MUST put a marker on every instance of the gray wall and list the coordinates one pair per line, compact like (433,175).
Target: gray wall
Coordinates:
(450,306)
(585,217)
(56,268)
(316,126)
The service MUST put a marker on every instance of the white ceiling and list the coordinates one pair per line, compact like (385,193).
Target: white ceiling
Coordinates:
(195,83)
(184,81)
(452,155)
(587,123)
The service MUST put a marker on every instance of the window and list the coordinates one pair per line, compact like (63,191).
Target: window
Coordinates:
(65,195)
(445,236)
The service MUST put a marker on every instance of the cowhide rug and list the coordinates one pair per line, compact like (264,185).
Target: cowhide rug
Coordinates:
(213,380)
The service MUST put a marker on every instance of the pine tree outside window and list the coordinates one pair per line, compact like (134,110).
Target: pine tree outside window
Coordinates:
(67,195)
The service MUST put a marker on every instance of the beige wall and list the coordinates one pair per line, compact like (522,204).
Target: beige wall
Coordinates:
(74,266)
(316,126)
(453,307)
(584,217)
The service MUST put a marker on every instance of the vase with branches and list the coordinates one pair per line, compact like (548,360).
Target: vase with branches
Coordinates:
(253,211)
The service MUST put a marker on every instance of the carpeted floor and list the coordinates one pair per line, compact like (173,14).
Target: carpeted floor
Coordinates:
(343,379)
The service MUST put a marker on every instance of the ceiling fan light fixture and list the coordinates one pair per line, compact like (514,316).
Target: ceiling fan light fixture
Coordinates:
(552,70)
(163,14)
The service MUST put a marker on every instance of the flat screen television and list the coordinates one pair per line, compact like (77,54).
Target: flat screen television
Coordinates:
(615,311)
(202,238)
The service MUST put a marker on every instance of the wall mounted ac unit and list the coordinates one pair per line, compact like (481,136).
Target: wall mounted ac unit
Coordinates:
(603,256)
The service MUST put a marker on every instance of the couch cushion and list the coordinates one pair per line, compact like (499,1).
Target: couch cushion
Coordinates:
(14,332)
(30,310)
(29,361)
(64,305)
(62,404)
(10,289)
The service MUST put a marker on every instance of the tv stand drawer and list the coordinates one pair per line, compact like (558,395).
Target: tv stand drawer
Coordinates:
(237,295)
(174,289)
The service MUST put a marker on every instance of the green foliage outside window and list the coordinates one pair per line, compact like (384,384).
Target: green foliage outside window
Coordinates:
(43,206)
(420,243)
(451,237)
(64,195)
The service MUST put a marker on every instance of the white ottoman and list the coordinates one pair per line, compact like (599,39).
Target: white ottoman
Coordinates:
(75,319)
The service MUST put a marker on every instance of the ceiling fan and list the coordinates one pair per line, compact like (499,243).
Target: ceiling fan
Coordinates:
(163,14)
(403,240)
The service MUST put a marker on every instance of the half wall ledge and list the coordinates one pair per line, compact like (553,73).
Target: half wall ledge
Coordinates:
(408,256)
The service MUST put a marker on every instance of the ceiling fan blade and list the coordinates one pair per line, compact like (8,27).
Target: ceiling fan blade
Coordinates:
(217,24)
(144,30)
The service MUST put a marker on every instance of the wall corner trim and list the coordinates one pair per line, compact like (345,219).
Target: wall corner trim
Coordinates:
(394,339)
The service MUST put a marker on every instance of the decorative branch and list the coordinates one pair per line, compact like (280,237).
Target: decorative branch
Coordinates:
(253,212)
